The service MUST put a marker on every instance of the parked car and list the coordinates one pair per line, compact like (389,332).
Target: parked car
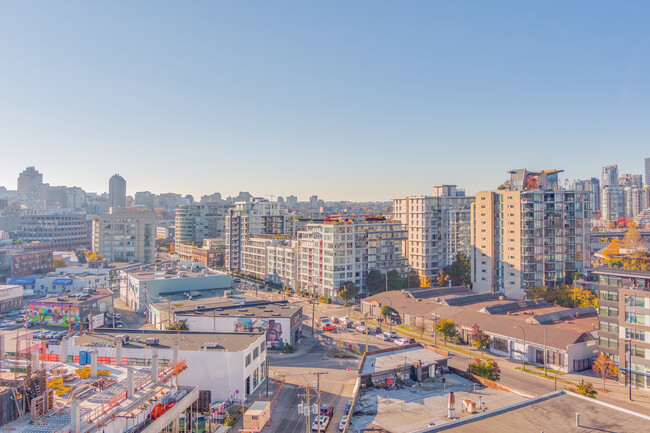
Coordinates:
(3,323)
(383,337)
(391,334)
(11,322)
(36,335)
(361,328)
(53,341)
(345,321)
(348,407)
(359,323)
(326,409)
(404,341)
(236,280)
(324,421)
(356,308)
(374,329)
(334,319)
(342,423)
(29,324)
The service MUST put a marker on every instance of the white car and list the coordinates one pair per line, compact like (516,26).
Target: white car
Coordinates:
(383,337)
(402,342)
(391,334)
(361,328)
(342,423)
(324,421)
(10,323)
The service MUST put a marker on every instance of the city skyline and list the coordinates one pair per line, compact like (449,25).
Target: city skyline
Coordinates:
(365,101)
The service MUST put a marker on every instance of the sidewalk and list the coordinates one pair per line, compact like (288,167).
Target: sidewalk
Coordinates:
(615,392)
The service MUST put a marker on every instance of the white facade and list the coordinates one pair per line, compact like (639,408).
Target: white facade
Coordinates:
(345,249)
(125,236)
(438,228)
(634,202)
(68,283)
(228,374)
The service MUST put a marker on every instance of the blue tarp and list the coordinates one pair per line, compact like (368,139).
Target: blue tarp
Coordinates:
(22,281)
(65,281)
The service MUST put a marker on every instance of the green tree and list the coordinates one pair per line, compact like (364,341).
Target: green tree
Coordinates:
(536,292)
(386,312)
(178,326)
(375,282)
(348,291)
(394,280)
(460,271)
(412,280)
(81,256)
(58,262)
(447,328)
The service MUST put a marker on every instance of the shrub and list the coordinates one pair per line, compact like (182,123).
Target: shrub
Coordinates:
(325,299)
(287,348)
(586,389)
(488,369)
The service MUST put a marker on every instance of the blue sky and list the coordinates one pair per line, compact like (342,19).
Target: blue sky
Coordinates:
(363,100)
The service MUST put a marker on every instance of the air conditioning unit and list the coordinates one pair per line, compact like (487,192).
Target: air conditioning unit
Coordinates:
(200,307)
(152,341)
(123,338)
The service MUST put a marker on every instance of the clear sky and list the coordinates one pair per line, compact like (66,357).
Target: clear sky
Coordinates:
(357,100)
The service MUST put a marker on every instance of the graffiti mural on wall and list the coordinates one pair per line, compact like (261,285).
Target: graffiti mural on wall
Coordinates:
(53,314)
(274,335)
(249,325)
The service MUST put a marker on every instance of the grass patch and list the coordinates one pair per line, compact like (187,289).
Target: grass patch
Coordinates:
(550,375)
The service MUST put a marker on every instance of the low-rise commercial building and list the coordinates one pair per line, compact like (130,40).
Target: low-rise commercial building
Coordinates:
(139,289)
(211,258)
(229,365)
(525,330)
(86,309)
(64,231)
(63,282)
(281,321)
(11,297)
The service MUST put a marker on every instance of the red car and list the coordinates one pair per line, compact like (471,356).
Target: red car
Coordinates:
(327,410)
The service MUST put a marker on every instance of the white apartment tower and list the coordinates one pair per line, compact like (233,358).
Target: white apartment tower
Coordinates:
(346,248)
(613,203)
(195,222)
(438,228)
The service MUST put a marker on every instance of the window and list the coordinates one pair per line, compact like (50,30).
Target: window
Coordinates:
(255,353)
(500,344)
(248,360)
(634,334)
(262,347)
(608,311)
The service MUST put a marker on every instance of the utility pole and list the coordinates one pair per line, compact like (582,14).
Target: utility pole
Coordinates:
(318,396)
(366,326)
(313,315)
(308,411)
(545,332)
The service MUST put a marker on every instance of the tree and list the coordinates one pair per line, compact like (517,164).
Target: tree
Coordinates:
(586,389)
(442,279)
(536,292)
(375,281)
(604,368)
(412,279)
(632,238)
(386,312)
(612,249)
(58,262)
(447,328)
(460,271)
(348,291)
(394,280)
(93,256)
(81,256)
(178,326)
(481,339)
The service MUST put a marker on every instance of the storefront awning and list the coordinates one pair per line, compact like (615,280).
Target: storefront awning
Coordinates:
(22,281)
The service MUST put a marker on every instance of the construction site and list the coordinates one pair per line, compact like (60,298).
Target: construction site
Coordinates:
(41,392)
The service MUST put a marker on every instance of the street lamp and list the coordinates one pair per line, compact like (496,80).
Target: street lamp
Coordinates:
(525,351)
(436,317)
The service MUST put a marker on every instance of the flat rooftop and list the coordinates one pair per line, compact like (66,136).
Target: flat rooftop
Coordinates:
(385,361)
(180,302)
(407,409)
(556,412)
(92,397)
(253,309)
(162,274)
(186,340)
(71,298)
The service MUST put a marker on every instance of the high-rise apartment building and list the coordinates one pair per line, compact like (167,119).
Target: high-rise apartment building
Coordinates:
(246,219)
(624,316)
(195,222)
(528,237)
(631,180)
(613,203)
(438,228)
(647,171)
(634,201)
(117,191)
(609,176)
(590,185)
(122,236)
(346,248)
